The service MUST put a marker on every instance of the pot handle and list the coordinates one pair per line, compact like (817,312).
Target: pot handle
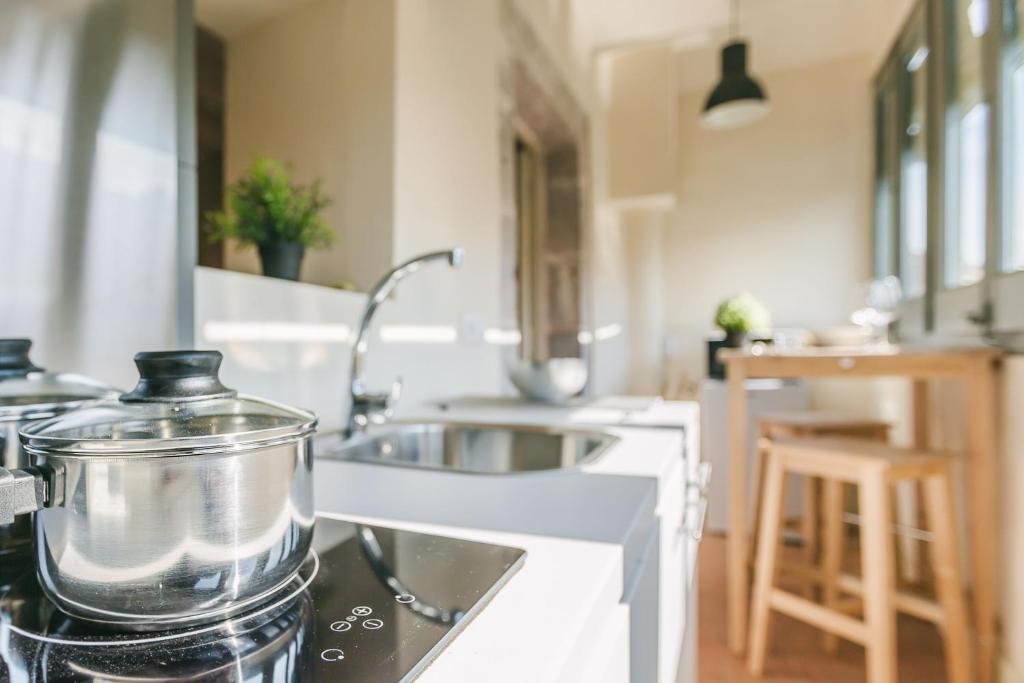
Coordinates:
(172,376)
(21,492)
(14,361)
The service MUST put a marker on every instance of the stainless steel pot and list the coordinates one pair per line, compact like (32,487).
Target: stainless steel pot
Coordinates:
(29,393)
(180,502)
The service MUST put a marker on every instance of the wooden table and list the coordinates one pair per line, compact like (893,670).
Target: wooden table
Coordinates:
(976,368)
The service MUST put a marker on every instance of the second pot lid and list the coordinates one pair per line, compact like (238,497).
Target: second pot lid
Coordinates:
(179,407)
(27,392)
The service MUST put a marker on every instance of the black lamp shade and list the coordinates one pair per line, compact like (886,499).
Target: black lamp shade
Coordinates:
(738,98)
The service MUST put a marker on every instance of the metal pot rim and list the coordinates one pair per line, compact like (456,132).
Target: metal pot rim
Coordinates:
(161,448)
(40,395)
(41,411)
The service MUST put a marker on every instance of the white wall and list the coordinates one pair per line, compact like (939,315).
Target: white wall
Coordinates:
(446,174)
(646,283)
(642,119)
(314,87)
(607,251)
(780,208)
(555,25)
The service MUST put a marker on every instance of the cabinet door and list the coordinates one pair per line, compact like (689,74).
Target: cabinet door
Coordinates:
(611,650)
(672,573)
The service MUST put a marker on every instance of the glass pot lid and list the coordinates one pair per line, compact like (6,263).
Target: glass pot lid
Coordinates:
(27,392)
(179,407)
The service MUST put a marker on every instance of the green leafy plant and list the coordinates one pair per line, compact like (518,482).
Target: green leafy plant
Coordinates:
(265,207)
(742,314)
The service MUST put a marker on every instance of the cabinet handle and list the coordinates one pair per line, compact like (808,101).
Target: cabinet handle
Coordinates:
(701,509)
(703,478)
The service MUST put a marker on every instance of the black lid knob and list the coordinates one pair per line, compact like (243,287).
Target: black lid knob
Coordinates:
(14,361)
(177,376)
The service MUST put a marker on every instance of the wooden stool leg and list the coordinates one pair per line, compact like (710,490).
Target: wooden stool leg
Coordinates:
(764,568)
(908,550)
(938,500)
(832,550)
(879,579)
(809,521)
(760,465)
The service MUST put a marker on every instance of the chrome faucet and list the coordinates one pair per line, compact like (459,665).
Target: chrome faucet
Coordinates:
(375,408)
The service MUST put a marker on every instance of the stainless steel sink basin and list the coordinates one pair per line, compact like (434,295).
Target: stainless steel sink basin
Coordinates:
(479,448)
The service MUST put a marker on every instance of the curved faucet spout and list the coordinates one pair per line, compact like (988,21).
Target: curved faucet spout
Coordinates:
(368,407)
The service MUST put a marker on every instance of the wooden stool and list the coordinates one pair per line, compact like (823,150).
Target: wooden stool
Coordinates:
(872,467)
(810,424)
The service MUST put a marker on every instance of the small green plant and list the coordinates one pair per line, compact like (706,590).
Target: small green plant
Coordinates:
(742,314)
(266,207)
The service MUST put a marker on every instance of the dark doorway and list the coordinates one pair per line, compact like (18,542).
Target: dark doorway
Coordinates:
(210,71)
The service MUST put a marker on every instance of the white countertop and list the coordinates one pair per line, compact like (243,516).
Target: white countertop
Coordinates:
(624,411)
(533,630)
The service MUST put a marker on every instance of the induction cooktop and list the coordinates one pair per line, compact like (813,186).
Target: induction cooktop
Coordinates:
(370,604)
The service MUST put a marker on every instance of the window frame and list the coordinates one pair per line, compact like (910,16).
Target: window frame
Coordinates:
(914,312)
(955,309)
(983,310)
(1005,287)
(886,119)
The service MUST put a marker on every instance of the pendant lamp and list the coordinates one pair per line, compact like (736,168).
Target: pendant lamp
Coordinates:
(737,99)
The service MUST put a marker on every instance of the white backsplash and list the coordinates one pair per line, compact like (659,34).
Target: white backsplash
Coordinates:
(291,342)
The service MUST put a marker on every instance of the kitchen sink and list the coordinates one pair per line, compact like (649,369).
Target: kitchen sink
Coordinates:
(464,447)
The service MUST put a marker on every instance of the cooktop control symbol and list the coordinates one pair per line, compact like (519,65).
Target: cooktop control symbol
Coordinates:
(373,624)
(340,626)
(332,655)
(405,598)
(362,611)
(351,618)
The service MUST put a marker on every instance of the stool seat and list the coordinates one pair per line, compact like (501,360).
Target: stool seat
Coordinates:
(821,421)
(847,458)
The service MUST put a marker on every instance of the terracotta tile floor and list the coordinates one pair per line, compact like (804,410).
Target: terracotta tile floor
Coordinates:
(795,653)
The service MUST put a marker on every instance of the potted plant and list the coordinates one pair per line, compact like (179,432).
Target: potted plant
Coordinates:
(737,316)
(281,218)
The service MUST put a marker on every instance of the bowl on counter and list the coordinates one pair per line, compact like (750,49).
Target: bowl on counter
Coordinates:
(553,381)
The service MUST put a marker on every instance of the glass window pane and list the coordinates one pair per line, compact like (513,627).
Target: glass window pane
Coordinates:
(967,118)
(913,165)
(1013,138)
(885,179)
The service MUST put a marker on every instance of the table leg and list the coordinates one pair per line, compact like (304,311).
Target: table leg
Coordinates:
(908,496)
(919,399)
(983,510)
(737,597)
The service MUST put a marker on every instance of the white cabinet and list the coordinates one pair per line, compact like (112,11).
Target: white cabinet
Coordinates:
(672,553)
(610,661)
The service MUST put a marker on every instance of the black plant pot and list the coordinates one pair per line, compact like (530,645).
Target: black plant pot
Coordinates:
(733,340)
(282,259)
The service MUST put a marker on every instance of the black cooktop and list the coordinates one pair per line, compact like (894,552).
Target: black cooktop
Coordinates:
(371,604)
